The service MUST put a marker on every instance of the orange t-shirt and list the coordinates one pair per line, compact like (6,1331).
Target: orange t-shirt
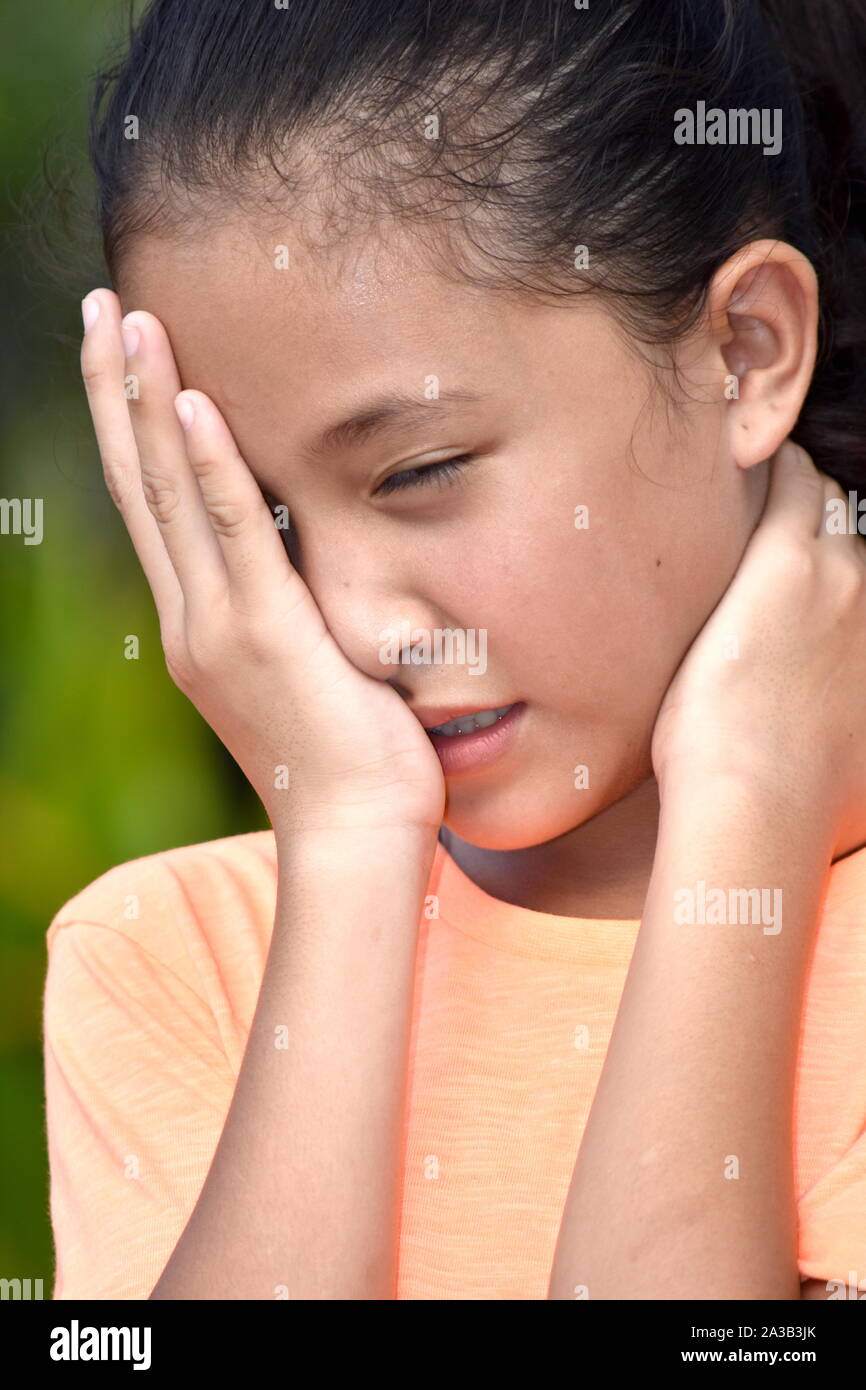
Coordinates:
(153,976)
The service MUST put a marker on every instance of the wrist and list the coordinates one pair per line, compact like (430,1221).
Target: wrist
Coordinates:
(764,807)
(401,846)
(728,781)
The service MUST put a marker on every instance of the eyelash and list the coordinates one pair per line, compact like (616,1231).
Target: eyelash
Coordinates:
(443,472)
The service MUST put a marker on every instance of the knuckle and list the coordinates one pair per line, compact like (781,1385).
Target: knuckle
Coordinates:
(204,467)
(796,561)
(161,495)
(850,582)
(227,515)
(255,639)
(227,518)
(180,672)
(833,493)
(833,483)
(93,371)
(201,649)
(177,659)
(804,459)
(121,479)
(812,484)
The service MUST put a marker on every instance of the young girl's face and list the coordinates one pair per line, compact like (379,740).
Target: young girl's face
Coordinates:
(584,623)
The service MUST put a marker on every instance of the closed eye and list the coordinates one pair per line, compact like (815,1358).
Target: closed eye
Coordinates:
(443,472)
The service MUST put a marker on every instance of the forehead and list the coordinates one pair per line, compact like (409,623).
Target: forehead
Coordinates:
(273,329)
(286,338)
(238,308)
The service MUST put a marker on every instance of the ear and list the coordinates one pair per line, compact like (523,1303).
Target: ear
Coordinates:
(763,307)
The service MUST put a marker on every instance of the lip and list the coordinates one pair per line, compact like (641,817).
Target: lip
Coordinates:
(431,716)
(467,752)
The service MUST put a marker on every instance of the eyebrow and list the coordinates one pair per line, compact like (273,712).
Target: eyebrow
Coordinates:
(392,410)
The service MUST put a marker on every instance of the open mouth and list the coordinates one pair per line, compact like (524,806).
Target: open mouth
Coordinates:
(469,723)
(468,740)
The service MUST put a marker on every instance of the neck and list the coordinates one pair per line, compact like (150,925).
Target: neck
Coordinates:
(600,869)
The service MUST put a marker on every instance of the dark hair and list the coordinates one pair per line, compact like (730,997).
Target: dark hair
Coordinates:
(555,129)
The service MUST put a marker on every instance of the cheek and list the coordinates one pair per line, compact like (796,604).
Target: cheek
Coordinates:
(577,617)
(591,581)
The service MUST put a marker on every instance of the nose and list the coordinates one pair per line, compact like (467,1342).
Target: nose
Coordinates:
(369,601)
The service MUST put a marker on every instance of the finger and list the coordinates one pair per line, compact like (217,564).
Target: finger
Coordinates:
(795,498)
(167,479)
(836,521)
(254,554)
(102,368)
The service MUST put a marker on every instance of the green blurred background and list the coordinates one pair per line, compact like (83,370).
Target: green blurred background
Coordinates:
(102,759)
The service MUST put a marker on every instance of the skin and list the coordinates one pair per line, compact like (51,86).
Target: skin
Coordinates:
(282,354)
(760,781)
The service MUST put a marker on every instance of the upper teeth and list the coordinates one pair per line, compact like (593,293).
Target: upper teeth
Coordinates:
(482,720)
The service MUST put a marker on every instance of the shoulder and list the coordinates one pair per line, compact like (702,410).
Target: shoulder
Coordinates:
(197,917)
(153,974)
(156,886)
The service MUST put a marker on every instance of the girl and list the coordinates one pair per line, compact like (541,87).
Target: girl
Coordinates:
(481,330)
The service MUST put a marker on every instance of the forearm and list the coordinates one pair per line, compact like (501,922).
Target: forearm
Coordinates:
(303,1190)
(684,1185)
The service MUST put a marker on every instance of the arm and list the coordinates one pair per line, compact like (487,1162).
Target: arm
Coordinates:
(304,1185)
(700,1071)
(302,1192)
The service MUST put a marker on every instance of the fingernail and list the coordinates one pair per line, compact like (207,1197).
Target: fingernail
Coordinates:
(131,337)
(89,312)
(185,410)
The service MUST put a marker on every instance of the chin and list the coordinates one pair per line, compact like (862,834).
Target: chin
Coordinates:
(519,825)
(529,811)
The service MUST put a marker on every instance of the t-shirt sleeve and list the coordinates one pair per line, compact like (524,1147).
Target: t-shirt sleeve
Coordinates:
(830,1109)
(137,1088)
(832,1221)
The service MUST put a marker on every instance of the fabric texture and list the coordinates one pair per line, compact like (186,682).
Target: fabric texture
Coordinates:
(153,975)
